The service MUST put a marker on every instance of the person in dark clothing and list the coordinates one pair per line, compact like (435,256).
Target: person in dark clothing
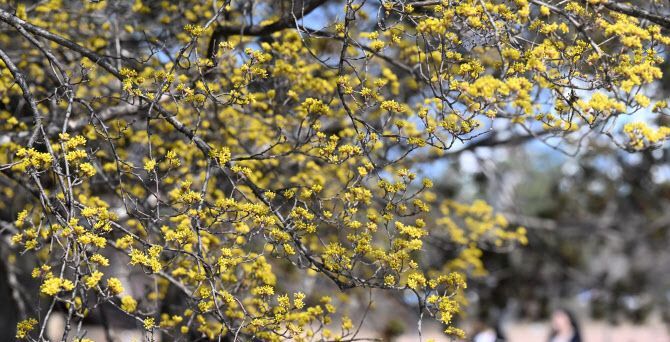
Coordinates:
(564,327)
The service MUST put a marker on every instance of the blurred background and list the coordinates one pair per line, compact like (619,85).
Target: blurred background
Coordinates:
(597,228)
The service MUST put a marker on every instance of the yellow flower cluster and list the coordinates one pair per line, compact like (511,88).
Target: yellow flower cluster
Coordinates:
(53,286)
(93,279)
(24,327)
(114,286)
(128,304)
(150,259)
(640,135)
(32,158)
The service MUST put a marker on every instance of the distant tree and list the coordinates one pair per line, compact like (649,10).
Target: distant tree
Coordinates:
(597,227)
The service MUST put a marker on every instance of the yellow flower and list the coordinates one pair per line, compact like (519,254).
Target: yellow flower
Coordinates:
(377,45)
(53,286)
(24,327)
(92,280)
(71,143)
(87,169)
(21,218)
(416,281)
(100,260)
(150,165)
(75,155)
(114,286)
(149,323)
(222,155)
(544,10)
(128,304)
(194,30)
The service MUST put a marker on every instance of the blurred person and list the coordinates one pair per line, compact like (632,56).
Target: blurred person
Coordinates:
(486,333)
(564,327)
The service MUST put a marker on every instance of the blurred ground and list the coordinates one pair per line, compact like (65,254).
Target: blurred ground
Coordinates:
(594,332)
(516,332)
(591,332)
